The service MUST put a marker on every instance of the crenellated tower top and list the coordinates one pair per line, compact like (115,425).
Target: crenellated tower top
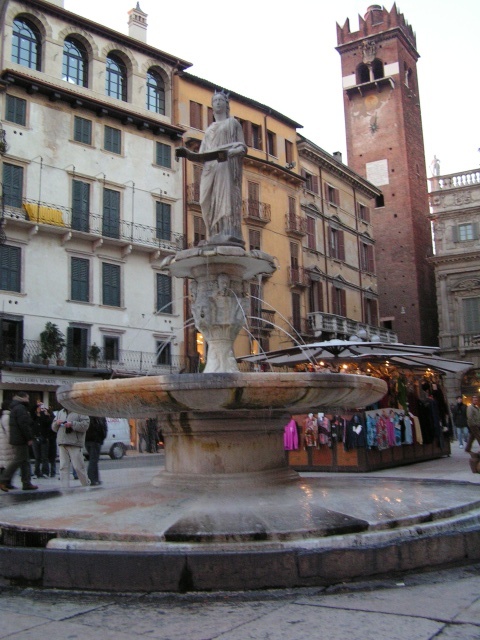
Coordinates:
(376,20)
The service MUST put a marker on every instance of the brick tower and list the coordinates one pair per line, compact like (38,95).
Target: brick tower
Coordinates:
(385,145)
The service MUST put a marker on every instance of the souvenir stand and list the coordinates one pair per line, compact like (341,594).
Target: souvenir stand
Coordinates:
(410,424)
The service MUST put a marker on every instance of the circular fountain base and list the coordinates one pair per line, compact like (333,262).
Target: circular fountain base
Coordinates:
(314,531)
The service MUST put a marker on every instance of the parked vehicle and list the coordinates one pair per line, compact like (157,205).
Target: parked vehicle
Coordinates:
(117,441)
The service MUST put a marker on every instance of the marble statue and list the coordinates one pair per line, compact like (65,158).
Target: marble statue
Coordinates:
(221,153)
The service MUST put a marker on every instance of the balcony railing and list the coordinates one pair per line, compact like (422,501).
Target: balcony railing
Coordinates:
(330,325)
(262,320)
(255,211)
(295,225)
(65,218)
(460,341)
(455,180)
(298,277)
(29,352)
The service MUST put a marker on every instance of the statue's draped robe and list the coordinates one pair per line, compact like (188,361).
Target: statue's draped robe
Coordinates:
(221,182)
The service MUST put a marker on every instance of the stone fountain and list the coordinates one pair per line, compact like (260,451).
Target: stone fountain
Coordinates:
(227,512)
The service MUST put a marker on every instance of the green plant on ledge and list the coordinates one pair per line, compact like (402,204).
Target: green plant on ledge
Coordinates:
(52,342)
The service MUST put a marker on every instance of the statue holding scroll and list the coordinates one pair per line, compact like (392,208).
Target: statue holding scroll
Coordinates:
(221,153)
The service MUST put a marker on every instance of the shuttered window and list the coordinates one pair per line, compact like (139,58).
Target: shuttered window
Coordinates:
(315,296)
(10,268)
(363,212)
(465,232)
(254,239)
(164,222)
(12,185)
(80,289)
(471,313)
(110,284)
(113,140)
(82,130)
(296,312)
(332,195)
(337,244)
(339,301)
(16,110)
(199,230)
(164,353)
(195,115)
(366,258)
(164,293)
(80,205)
(111,213)
(311,240)
(164,155)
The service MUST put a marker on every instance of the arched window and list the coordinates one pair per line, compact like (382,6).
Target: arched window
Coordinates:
(377,68)
(363,73)
(26,44)
(155,92)
(116,78)
(75,63)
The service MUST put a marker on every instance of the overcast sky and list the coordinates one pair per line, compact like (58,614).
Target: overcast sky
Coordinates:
(283,55)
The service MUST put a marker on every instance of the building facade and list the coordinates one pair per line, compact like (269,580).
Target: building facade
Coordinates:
(91,199)
(455,213)
(385,146)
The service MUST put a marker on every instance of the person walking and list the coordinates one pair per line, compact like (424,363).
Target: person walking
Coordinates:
(473,422)
(459,415)
(21,437)
(41,431)
(7,453)
(71,428)
(96,434)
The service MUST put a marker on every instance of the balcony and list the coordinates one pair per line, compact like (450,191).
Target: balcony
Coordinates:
(329,326)
(262,321)
(63,220)
(256,211)
(298,277)
(295,225)
(128,363)
(455,180)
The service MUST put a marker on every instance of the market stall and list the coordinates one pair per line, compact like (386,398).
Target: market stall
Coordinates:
(411,423)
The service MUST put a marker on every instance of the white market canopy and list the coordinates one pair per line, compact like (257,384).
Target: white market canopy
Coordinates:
(403,355)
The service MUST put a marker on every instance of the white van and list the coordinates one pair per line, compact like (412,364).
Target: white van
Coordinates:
(117,441)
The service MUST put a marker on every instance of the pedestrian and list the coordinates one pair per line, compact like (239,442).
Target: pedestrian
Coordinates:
(52,451)
(7,453)
(71,428)
(142,435)
(473,422)
(96,434)
(21,437)
(42,421)
(459,415)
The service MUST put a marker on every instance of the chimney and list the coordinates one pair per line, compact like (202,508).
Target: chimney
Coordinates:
(137,24)
(337,155)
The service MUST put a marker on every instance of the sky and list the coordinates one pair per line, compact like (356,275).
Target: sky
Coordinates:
(283,55)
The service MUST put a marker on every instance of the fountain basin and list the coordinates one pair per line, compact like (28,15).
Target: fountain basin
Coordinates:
(150,395)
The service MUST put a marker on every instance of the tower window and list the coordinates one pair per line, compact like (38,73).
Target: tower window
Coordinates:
(363,73)
(377,69)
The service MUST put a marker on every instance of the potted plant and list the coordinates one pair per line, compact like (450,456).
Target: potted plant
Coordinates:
(52,342)
(93,353)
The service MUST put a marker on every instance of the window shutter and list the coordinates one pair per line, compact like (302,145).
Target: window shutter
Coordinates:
(247,132)
(455,233)
(475,230)
(16,110)
(164,293)
(370,260)
(341,245)
(111,284)
(164,229)
(343,299)
(164,155)
(12,185)
(10,264)
(111,213)
(335,301)
(311,233)
(315,184)
(80,284)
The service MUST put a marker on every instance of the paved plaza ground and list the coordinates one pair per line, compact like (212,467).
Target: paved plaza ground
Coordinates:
(444,605)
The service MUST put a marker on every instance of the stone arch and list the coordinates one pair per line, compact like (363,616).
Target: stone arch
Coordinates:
(83,37)
(123,53)
(37,18)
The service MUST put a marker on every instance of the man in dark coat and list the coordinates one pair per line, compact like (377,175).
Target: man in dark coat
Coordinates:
(21,437)
(96,434)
